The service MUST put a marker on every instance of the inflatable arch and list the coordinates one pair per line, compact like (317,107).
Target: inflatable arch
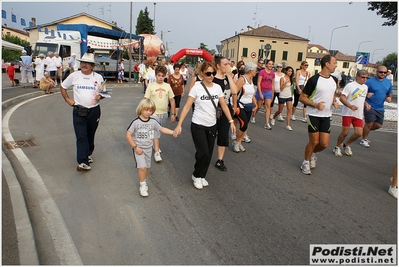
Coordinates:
(191,52)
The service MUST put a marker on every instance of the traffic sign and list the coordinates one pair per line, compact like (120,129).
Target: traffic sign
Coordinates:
(362,57)
(253,55)
(393,65)
(268,46)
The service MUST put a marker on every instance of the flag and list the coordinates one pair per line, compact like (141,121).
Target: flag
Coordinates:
(13,18)
(3,14)
(23,23)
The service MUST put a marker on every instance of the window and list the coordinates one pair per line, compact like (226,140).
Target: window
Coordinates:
(285,55)
(262,41)
(274,42)
(285,42)
(345,65)
(245,52)
(300,55)
(260,52)
(232,52)
(273,55)
(65,51)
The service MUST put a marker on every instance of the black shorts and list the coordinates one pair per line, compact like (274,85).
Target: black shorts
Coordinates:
(319,124)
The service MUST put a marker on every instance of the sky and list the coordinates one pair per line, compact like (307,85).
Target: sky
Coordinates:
(187,24)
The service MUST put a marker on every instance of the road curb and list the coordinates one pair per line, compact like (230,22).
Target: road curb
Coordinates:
(26,238)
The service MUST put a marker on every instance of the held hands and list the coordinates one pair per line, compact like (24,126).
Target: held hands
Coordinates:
(177,131)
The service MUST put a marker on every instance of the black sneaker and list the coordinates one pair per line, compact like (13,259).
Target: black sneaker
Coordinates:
(220,165)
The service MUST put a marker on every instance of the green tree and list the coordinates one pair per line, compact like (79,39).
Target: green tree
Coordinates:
(389,59)
(387,10)
(144,23)
(7,54)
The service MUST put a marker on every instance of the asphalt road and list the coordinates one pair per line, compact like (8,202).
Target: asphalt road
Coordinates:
(262,211)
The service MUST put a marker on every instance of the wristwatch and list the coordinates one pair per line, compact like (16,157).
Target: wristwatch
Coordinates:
(134,148)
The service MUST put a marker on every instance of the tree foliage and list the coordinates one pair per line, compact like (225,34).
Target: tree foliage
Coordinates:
(387,10)
(8,55)
(144,23)
(389,59)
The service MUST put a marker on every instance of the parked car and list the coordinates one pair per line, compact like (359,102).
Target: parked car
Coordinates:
(4,66)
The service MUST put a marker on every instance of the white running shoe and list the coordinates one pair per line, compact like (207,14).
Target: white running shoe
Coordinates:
(365,143)
(305,167)
(252,120)
(272,121)
(337,151)
(293,118)
(204,182)
(280,117)
(197,182)
(393,191)
(267,126)
(144,190)
(305,120)
(348,151)
(157,157)
(83,167)
(313,161)
(236,146)
(246,139)
(288,128)
(242,148)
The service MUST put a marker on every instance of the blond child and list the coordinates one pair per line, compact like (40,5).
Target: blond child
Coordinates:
(140,135)
(46,83)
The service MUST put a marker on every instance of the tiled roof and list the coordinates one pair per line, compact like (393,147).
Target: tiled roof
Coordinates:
(339,56)
(266,31)
(318,46)
(15,30)
(77,16)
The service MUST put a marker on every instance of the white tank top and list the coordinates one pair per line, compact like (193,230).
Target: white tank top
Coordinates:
(302,80)
(277,83)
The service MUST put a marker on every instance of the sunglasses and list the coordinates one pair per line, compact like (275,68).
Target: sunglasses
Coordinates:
(209,73)
(364,77)
(306,65)
(279,66)
(383,72)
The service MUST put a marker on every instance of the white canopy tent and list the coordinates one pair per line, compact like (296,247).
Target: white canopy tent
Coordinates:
(11,46)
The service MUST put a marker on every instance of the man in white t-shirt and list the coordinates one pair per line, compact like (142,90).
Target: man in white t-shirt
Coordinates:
(318,96)
(58,65)
(352,98)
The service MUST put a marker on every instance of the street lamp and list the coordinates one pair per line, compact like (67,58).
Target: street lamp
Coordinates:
(372,55)
(163,33)
(358,48)
(333,32)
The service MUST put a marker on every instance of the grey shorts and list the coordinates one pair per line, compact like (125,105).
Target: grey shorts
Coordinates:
(143,160)
(161,118)
(373,115)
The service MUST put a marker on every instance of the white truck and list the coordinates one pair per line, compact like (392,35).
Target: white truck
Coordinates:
(68,42)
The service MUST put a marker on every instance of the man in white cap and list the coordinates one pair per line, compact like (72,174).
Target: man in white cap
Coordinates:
(87,86)
(26,69)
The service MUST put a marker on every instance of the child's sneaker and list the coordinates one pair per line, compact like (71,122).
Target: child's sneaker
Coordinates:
(144,190)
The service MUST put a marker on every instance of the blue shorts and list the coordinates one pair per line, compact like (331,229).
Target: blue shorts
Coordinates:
(373,115)
(266,95)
